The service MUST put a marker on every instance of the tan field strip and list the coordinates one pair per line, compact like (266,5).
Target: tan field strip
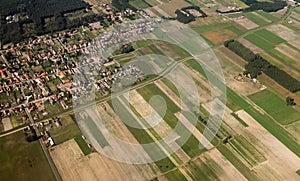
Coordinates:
(288,51)
(283,32)
(246,23)
(150,115)
(229,172)
(73,165)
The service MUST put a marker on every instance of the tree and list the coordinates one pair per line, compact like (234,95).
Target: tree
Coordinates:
(290,101)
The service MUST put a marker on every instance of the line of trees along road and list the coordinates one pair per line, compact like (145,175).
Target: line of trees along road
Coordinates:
(257,64)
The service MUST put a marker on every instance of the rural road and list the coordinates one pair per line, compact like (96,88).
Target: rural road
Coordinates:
(45,150)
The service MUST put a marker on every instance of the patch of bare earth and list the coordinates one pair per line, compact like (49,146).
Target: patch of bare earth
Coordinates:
(288,51)
(246,23)
(219,36)
(250,45)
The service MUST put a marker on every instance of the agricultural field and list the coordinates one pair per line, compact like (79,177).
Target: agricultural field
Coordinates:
(21,160)
(264,39)
(171,6)
(258,139)
(67,131)
(277,109)
(256,18)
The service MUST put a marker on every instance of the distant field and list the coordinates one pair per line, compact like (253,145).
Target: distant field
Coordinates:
(297,9)
(152,2)
(269,36)
(258,41)
(139,3)
(219,36)
(171,6)
(268,16)
(175,175)
(264,39)
(21,160)
(255,19)
(276,107)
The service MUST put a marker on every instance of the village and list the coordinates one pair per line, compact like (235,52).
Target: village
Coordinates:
(37,73)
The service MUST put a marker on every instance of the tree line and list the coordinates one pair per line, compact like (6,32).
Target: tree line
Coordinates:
(254,5)
(265,5)
(257,64)
(37,11)
(184,16)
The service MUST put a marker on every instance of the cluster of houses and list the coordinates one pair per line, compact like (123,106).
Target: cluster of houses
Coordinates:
(40,70)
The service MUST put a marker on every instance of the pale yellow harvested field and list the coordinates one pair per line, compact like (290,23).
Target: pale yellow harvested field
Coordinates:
(265,172)
(295,23)
(134,152)
(172,6)
(152,118)
(73,165)
(246,87)
(114,124)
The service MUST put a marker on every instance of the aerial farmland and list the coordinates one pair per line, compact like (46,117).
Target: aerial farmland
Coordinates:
(159,107)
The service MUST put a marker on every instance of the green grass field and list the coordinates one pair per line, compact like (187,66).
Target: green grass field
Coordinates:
(83,145)
(67,131)
(258,41)
(264,39)
(269,36)
(21,160)
(255,19)
(139,3)
(269,124)
(276,107)
(268,16)
(201,170)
